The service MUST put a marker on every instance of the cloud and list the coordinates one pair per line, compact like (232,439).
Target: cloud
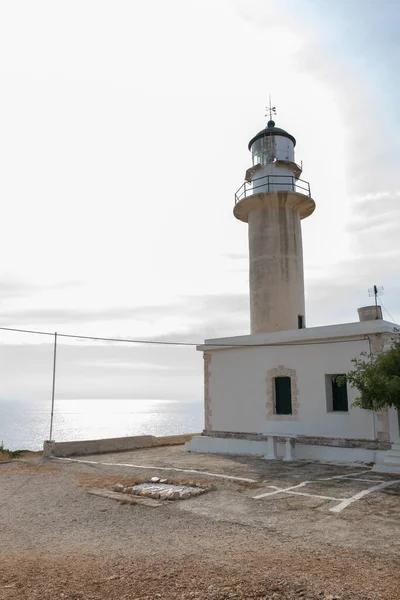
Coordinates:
(66,315)
(124,370)
(374,225)
(211,316)
(11,288)
(221,308)
(100,371)
(333,295)
(375,209)
(345,53)
(235,256)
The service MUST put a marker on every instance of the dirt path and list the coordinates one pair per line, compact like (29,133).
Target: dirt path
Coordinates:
(57,541)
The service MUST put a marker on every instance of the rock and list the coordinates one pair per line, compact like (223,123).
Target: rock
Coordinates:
(163,480)
(155,495)
(118,487)
(173,495)
(185,495)
(155,479)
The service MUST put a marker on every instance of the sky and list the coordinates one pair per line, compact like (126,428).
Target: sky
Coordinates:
(124,131)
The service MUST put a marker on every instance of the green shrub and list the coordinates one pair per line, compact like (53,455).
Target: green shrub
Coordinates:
(377,378)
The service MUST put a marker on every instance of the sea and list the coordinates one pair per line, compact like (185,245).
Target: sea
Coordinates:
(24,425)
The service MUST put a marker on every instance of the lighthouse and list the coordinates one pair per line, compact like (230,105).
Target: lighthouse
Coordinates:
(274,392)
(273,200)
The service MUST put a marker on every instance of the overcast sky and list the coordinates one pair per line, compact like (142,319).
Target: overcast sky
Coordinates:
(124,131)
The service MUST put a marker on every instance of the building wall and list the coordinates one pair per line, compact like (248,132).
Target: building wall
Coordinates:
(239,388)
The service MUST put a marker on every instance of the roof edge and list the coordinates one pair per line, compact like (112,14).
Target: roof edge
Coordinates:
(269,131)
(307,335)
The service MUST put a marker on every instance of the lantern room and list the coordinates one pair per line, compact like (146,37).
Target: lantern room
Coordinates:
(273,165)
(271,144)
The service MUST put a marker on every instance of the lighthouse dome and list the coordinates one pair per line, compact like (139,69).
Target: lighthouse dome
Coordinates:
(271,130)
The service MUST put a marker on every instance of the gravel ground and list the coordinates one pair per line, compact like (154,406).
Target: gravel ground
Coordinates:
(58,541)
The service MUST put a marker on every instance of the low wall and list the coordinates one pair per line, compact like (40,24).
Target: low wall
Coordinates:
(107,445)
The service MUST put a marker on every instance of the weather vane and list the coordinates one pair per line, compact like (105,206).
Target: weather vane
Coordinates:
(270,109)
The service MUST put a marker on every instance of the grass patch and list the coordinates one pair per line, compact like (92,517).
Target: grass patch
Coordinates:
(6,454)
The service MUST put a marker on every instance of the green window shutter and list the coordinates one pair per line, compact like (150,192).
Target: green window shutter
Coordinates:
(339,396)
(283,396)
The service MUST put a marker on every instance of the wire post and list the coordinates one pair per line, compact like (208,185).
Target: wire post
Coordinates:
(54,386)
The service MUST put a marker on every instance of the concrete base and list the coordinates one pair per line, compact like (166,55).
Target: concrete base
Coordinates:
(48,448)
(336,454)
(214,445)
(390,461)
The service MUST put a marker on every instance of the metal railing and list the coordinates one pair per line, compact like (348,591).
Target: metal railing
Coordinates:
(272,183)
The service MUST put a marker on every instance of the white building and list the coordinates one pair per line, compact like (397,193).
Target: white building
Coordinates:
(273,392)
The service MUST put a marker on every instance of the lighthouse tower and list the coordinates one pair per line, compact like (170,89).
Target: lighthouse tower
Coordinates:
(273,200)
(277,394)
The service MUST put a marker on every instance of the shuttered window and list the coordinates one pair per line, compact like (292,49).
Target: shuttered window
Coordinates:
(283,396)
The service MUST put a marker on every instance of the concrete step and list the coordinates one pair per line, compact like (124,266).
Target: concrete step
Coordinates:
(391,461)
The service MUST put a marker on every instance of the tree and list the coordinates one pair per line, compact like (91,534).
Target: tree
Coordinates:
(377,378)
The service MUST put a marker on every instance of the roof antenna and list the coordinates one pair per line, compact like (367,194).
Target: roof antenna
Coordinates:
(271,110)
(375,291)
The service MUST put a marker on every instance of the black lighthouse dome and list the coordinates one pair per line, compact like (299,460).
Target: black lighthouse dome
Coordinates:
(271,130)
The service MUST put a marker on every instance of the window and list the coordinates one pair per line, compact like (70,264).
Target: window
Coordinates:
(300,322)
(283,396)
(336,393)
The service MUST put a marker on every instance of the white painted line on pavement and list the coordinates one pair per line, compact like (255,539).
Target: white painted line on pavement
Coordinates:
(360,495)
(342,476)
(290,491)
(95,462)
(317,496)
(343,502)
(280,490)
(364,480)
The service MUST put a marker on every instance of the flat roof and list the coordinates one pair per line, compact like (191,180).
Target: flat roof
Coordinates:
(306,335)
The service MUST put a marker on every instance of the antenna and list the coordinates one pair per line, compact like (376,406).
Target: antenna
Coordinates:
(375,291)
(270,109)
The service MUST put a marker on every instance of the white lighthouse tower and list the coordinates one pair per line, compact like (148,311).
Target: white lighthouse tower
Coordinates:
(273,200)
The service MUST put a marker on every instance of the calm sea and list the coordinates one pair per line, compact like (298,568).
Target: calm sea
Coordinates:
(24,425)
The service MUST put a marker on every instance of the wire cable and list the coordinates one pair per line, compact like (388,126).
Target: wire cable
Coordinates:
(168,343)
(385,309)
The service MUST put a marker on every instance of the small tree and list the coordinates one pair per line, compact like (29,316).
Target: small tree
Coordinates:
(377,378)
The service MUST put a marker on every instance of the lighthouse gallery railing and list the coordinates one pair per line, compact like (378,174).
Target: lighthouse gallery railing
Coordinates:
(272,183)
